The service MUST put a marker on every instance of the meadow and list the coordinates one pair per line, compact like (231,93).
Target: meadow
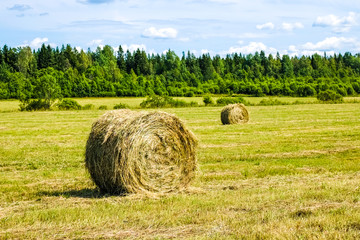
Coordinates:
(291,172)
(134,102)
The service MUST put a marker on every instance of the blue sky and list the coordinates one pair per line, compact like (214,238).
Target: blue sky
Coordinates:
(214,26)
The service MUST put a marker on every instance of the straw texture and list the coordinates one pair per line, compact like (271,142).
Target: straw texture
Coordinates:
(234,114)
(140,152)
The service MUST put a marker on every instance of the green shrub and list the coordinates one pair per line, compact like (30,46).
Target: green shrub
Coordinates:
(177,103)
(350,90)
(208,100)
(356,87)
(4,92)
(107,94)
(121,106)
(297,102)
(189,94)
(103,107)
(229,100)
(69,104)
(342,91)
(271,102)
(88,107)
(35,105)
(193,104)
(330,96)
(156,101)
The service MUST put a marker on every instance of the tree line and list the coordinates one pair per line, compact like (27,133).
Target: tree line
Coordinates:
(66,72)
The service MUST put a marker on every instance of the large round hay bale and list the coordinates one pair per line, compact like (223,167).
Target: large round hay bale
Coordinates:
(234,114)
(140,152)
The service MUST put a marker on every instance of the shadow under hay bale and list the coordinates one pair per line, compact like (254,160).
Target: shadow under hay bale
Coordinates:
(140,152)
(234,114)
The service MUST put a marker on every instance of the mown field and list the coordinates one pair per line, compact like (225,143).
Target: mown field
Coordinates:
(292,172)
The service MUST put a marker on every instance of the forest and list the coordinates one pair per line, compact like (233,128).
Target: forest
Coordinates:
(27,74)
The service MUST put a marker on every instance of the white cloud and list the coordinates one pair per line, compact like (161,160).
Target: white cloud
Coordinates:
(195,52)
(284,26)
(133,47)
(310,53)
(293,51)
(252,47)
(292,48)
(330,46)
(78,48)
(268,25)
(206,51)
(96,42)
(291,26)
(152,32)
(151,51)
(338,24)
(331,43)
(37,42)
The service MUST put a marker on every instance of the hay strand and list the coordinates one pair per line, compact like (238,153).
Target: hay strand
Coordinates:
(140,152)
(234,114)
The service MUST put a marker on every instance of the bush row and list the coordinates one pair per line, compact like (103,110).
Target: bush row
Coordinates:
(156,101)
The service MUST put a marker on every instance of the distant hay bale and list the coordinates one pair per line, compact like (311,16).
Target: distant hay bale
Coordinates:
(140,152)
(234,114)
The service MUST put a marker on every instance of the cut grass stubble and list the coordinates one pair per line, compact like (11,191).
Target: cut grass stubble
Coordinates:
(290,172)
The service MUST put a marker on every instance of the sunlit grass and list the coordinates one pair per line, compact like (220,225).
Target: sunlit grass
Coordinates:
(292,172)
(133,102)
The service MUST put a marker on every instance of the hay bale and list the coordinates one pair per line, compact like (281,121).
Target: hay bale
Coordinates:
(234,114)
(140,152)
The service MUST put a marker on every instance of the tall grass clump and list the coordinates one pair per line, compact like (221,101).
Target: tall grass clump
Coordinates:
(229,100)
(68,104)
(156,101)
(102,107)
(121,106)
(208,100)
(35,105)
(272,102)
(330,96)
(88,106)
